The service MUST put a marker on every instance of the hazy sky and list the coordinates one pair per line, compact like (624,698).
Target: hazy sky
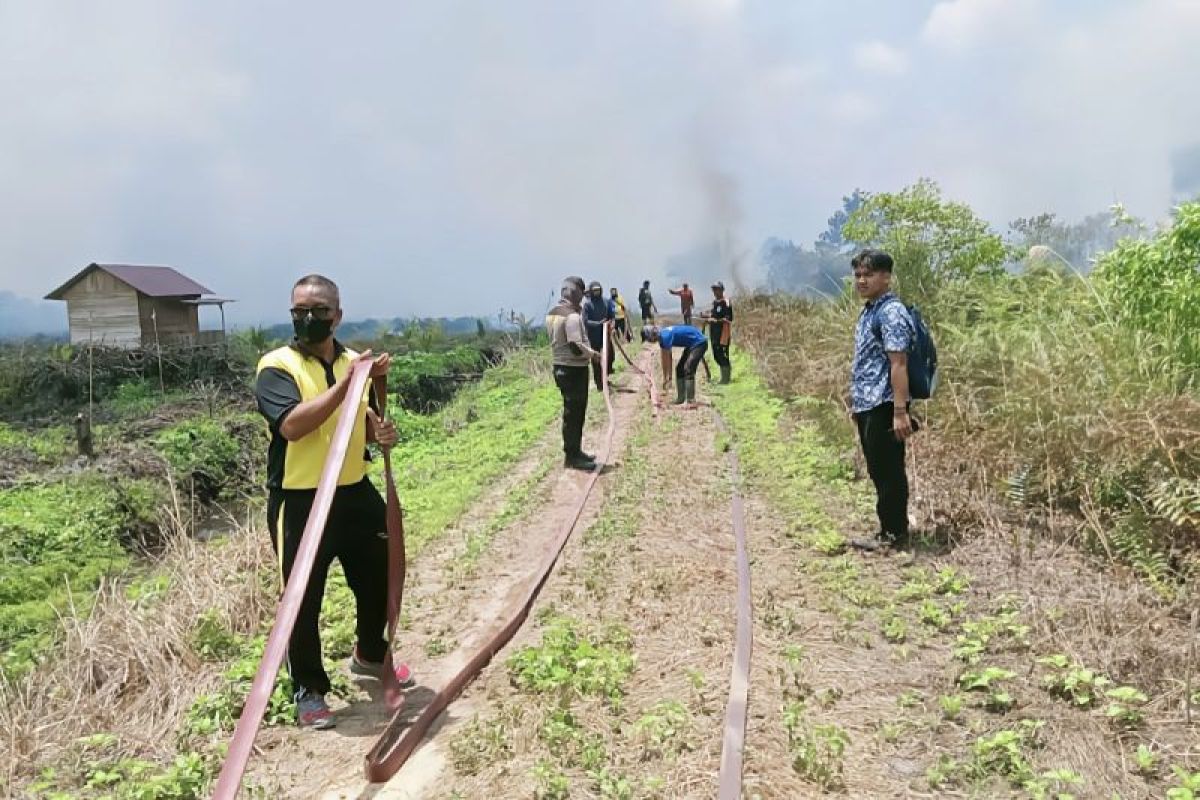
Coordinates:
(454,157)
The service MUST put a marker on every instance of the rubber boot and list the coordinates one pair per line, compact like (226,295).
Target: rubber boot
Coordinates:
(689,391)
(725,373)
(680,390)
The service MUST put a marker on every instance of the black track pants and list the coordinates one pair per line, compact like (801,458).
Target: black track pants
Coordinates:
(885,465)
(689,362)
(356,535)
(573,385)
(720,352)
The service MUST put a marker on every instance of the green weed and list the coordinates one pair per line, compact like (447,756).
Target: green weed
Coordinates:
(481,743)
(552,784)
(951,705)
(1146,760)
(1072,682)
(1187,784)
(1124,708)
(569,663)
(665,728)
(817,749)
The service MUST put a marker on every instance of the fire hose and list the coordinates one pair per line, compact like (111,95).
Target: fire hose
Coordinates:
(398,742)
(242,744)
(733,741)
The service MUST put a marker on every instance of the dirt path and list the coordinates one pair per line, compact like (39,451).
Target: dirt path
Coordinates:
(649,581)
(911,675)
(454,593)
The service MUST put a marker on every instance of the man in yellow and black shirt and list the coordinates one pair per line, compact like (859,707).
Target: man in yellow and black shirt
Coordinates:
(300,389)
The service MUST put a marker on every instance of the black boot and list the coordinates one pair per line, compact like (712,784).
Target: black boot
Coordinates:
(725,373)
(579,461)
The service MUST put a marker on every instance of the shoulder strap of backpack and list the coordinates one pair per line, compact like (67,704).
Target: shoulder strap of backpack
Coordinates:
(877,326)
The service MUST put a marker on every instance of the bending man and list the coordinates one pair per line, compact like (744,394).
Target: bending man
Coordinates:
(694,347)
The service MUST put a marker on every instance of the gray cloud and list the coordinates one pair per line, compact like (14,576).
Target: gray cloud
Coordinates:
(457,157)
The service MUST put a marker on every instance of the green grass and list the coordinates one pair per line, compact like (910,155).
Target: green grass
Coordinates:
(516,503)
(484,430)
(470,443)
(57,542)
(52,536)
(791,462)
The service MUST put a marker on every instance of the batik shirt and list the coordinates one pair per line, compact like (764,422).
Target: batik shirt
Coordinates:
(884,326)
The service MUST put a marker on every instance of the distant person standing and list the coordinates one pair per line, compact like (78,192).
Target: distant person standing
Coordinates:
(299,389)
(598,313)
(571,354)
(687,301)
(646,301)
(720,329)
(694,347)
(879,394)
(621,312)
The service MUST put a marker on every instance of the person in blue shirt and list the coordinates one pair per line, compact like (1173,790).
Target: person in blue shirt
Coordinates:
(694,345)
(879,396)
(598,312)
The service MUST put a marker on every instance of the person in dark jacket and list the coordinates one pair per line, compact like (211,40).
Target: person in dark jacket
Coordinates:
(646,301)
(720,328)
(598,312)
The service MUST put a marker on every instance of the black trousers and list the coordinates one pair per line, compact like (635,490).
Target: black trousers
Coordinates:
(689,362)
(647,315)
(573,385)
(720,351)
(885,465)
(687,317)
(356,535)
(597,376)
(623,327)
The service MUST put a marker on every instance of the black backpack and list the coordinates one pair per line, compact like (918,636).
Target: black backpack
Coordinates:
(922,354)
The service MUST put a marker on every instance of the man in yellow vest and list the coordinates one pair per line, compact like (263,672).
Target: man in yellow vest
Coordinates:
(622,315)
(300,389)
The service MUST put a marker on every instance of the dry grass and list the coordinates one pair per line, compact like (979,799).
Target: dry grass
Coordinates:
(129,668)
(1044,553)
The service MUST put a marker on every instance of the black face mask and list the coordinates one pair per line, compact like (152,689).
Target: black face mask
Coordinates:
(311,330)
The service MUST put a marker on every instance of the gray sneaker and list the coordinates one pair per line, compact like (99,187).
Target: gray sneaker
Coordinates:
(313,712)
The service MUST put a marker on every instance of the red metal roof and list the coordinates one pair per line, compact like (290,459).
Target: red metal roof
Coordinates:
(150,281)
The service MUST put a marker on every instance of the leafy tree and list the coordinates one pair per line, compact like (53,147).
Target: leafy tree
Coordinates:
(1077,243)
(833,237)
(1154,284)
(934,241)
(791,268)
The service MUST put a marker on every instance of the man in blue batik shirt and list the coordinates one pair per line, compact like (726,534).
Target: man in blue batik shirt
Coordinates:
(879,394)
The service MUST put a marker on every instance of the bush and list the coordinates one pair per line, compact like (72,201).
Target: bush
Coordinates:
(1154,285)
(204,451)
(58,541)
(1067,391)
